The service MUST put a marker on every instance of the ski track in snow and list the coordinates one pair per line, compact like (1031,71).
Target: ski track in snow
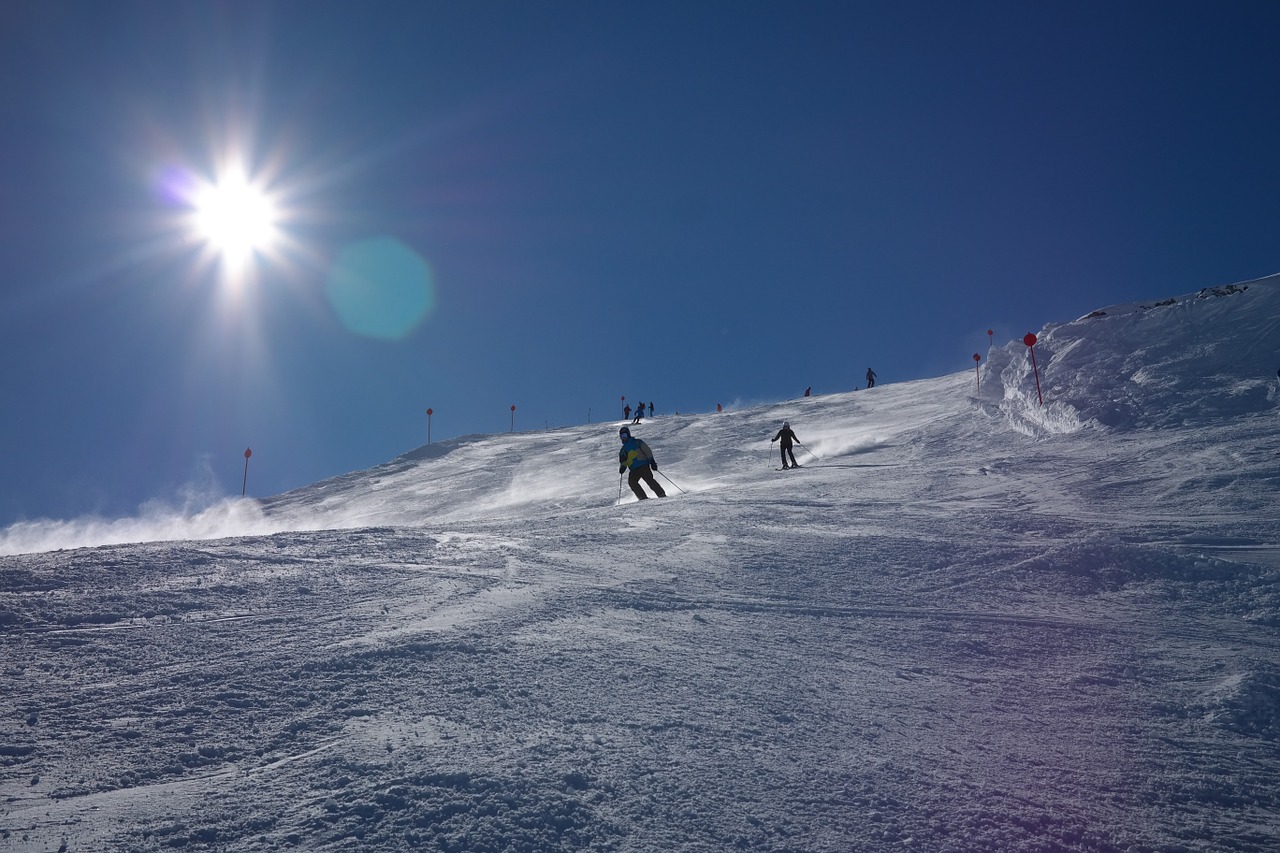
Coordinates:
(973,625)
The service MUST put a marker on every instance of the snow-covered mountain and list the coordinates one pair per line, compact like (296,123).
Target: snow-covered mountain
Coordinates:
(970,622)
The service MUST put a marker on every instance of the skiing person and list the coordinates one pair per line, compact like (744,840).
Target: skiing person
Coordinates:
(639,413)
(626,411)
(650,408)
(637,456)
(871,378)
(787,437)
(807,390)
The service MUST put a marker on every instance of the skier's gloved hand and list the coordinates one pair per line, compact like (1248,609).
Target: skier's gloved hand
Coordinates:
(653,465)
(623,468)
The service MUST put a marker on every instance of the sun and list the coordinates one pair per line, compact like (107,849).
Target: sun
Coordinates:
(235,218)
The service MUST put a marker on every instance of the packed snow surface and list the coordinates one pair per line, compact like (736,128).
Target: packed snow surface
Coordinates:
(970,622)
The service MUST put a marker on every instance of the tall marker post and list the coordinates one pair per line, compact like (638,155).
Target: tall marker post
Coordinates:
(991,337)
(1030,341)
(245,485)
(513,417)
(977,358)
(428,426)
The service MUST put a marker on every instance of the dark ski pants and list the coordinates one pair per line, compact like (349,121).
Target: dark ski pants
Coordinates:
(635,475)
(787,451)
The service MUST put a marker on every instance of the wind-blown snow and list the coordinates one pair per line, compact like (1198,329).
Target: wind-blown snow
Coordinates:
(970,623)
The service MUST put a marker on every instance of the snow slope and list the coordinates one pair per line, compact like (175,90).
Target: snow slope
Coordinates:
(970,623)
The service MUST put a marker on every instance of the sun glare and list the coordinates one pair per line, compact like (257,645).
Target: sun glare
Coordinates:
(235,218)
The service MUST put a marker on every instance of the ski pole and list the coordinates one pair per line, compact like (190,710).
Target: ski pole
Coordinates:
(672,482)
(810,452)
(619,489)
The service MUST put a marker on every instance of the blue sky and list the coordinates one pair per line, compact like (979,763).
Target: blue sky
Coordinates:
(569,202)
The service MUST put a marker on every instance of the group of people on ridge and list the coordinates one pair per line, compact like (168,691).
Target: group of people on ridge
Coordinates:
(871,382)
(626,412)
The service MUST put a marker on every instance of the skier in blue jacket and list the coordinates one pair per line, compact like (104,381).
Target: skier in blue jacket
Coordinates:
(636,456)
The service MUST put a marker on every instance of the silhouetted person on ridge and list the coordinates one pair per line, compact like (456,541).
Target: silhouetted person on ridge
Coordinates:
(871,378)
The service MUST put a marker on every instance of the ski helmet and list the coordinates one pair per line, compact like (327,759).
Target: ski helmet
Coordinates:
(786,425)
(625,432)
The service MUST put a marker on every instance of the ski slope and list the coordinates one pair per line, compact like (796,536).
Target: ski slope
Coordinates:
(971,622)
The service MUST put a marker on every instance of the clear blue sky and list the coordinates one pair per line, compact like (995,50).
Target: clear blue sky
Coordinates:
(700,202)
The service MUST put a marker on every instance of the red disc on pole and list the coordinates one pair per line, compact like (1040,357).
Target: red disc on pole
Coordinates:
(977,357)
(1029,340)
(990,332)
(428,411)
(513,407)
(247,453)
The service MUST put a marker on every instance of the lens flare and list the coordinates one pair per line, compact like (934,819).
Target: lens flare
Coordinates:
(380,288)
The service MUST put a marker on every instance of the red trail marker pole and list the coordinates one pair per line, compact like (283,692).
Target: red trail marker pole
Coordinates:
(977,358)
(247,453)
(428,426)
(513,417)
(1030,341)
(991,337)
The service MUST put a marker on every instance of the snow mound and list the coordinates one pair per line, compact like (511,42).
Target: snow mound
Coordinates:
(1184,360)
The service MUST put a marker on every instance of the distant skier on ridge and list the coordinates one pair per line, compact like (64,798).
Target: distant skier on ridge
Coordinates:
(787,436)
(637,456)
(871,378)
